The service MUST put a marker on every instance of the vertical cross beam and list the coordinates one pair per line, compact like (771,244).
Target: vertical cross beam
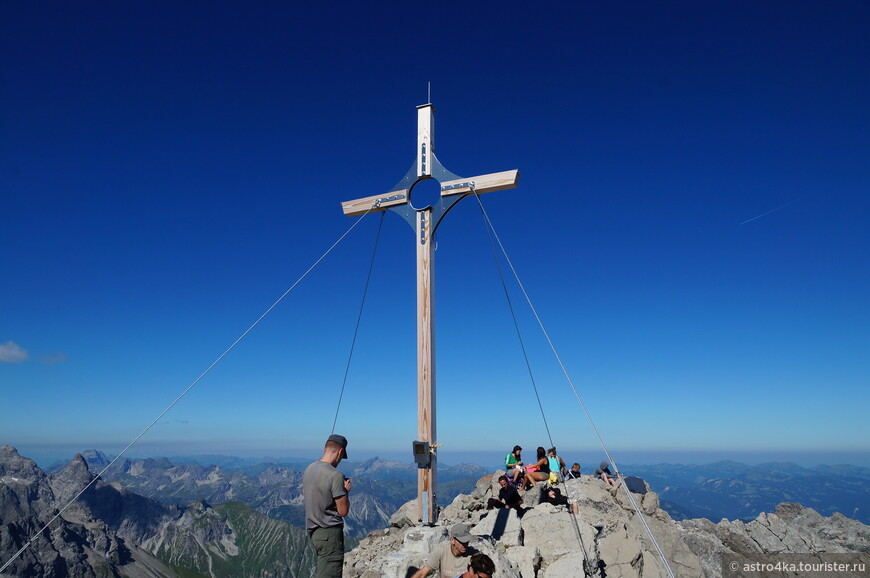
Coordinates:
(425,220)
(425,139)
(426,365)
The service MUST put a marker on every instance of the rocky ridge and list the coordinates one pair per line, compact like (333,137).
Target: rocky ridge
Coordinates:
(380,486)
(76,544)
(549,542)
(109,531)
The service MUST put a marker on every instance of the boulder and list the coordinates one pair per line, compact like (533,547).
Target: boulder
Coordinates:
(526,559)
(406,515)
(502,525)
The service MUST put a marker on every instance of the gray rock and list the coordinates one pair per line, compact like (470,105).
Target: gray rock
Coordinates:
(460,509)
(423,540)
(791,528)
(526,559)
(570,564)
(502,525)
(485,486)
(406,516)
(555,532)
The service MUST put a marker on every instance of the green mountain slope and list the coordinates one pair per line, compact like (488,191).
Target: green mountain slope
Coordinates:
(235,540)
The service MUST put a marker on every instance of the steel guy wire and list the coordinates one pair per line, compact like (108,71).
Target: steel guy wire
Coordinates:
(490,232)
(189,387)
(573,388)
(358,319)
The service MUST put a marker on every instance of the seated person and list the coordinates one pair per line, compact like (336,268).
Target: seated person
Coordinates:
(603,472)
(555,497)
(451,558)
(508,497)
(513,464)
(480,566)
(574,472)
(538,472)
(556,463)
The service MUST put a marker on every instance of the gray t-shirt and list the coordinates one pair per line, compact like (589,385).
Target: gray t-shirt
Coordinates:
(445,564)
(321,485)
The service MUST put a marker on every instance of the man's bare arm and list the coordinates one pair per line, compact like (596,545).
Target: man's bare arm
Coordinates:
(422,572)
(342,505)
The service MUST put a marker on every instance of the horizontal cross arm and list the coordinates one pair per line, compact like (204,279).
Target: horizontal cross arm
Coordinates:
(481,184)
(387,200)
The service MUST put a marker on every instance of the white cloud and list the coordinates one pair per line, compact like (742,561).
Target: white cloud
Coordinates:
(53,358)
(12,353)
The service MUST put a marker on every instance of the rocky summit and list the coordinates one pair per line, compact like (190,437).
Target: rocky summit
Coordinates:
(550,542)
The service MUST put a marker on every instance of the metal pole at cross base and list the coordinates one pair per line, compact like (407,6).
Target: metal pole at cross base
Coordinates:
(424,221)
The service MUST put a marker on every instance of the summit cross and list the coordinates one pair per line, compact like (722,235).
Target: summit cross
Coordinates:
(424,221)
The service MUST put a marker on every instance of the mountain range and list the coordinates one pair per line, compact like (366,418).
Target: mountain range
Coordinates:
(732,490)
(109,531)
(275,489)
(724,489)
(156,517)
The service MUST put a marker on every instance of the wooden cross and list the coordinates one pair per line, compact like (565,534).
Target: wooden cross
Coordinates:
(424,221)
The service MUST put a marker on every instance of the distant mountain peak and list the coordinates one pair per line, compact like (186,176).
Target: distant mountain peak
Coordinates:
(376,464)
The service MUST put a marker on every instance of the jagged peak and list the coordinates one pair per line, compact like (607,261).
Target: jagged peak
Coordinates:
(78,467)
(17,467)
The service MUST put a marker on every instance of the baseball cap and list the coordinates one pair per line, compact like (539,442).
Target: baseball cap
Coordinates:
(340,440)
(460,532)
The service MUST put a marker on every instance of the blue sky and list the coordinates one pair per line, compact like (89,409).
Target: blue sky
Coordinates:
(691,224)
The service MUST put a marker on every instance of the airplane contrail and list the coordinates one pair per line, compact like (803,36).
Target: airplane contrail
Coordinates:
(774,210)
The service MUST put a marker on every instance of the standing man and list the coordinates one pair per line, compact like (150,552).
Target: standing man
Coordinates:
(324,491)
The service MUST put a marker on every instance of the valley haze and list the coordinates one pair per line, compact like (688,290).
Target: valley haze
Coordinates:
(46,455)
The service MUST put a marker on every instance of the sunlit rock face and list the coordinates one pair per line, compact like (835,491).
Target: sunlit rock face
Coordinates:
(607,535)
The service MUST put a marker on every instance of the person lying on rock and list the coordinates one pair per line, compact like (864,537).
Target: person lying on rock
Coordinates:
(480,566)
(539,471)
(603,472)
(574,472)
(451,558)
(508,497)
(554,496)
